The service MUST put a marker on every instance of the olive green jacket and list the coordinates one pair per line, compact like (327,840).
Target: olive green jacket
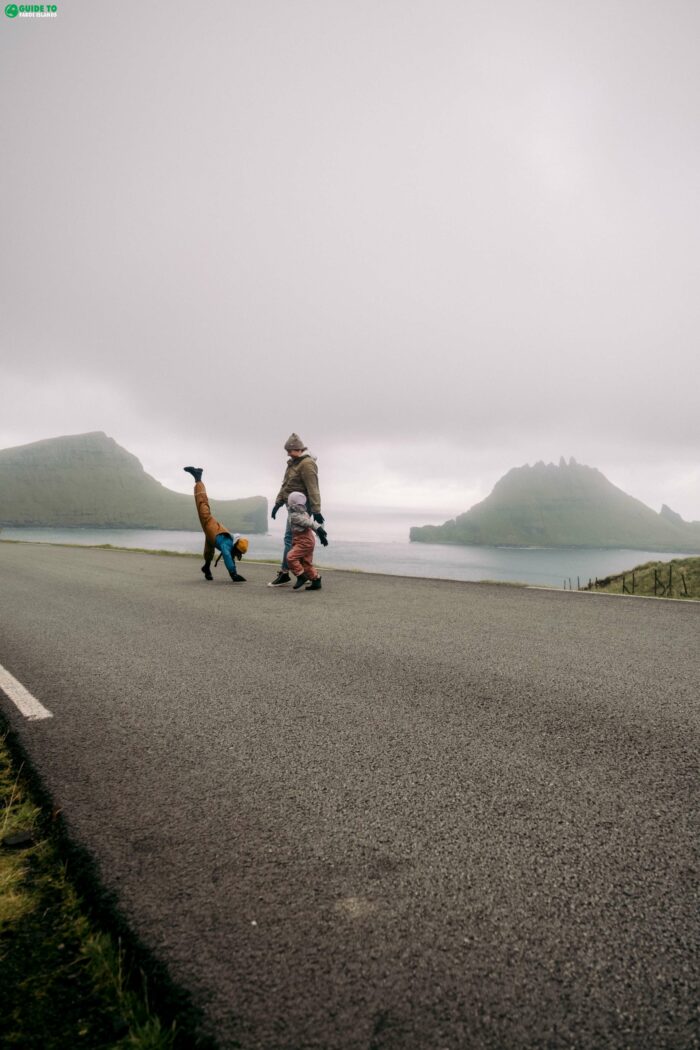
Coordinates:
(301,475)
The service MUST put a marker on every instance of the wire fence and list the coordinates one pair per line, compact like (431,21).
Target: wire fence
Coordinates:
(649,582)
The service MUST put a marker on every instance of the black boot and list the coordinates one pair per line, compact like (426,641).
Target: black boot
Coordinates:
(315,585)
(236,577)
(301,580)
(196,472)
(206,569)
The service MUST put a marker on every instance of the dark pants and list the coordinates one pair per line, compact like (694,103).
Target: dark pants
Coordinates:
(287,545)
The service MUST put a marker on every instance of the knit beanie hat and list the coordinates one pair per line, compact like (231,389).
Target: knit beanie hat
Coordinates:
(242,544)
(296,499)
(294,443)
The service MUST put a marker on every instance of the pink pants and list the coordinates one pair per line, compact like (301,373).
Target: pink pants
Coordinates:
(300,557)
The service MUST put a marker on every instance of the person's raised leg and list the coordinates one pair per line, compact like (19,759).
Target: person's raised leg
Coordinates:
(200,496)
(202,503)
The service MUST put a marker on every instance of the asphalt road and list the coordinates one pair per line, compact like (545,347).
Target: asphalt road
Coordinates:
(393,815)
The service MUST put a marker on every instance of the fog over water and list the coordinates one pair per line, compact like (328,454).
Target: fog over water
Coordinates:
(436,240)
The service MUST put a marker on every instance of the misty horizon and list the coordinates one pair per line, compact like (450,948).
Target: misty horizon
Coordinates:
(391,515)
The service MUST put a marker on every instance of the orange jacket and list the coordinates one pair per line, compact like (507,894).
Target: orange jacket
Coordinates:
(212,527)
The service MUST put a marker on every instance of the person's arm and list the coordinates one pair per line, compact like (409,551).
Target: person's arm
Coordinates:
(301,519)
(282,494)
(309,472)
(309,523)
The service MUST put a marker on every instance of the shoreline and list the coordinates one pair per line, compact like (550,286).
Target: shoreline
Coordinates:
(108,547)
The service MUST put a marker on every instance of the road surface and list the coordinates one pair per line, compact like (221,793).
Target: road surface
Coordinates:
(397,814)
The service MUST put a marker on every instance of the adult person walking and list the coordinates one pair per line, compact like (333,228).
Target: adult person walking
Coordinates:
(301,475)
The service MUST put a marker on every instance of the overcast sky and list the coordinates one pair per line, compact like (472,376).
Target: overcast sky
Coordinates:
(436,239)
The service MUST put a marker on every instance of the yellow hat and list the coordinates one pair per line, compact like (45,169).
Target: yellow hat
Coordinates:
(242,544)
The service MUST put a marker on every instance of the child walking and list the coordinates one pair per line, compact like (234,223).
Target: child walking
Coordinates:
(300,557)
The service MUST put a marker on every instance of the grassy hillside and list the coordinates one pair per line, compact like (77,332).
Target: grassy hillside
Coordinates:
(89,480)
(568,505)
(679,578)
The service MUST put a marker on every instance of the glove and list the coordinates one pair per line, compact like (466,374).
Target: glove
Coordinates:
(276,507)
(321,533)
(317,516)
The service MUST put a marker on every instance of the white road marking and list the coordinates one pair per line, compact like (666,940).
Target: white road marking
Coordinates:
(28,705)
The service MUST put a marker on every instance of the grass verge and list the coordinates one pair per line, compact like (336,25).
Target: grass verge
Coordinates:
(679,578)
(68,978)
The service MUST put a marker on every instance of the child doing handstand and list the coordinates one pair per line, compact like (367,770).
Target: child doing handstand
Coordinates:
(217,536)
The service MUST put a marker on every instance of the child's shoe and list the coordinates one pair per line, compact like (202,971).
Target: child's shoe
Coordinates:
(196,472)
(206,569)
(315,585)
(301,580)
(236,577)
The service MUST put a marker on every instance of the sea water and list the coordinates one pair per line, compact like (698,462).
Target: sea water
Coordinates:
(381,545)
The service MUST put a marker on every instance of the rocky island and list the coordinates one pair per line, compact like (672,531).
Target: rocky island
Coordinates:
(564,505)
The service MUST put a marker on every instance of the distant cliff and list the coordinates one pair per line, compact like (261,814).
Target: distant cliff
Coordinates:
(568,505)
(89,480)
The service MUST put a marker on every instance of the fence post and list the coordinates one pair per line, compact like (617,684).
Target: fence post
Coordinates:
(670,578)
(578,583)
(632,583)
(658,581)
(685,586)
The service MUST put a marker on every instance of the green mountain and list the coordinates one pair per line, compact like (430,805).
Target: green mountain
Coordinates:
(568,505)
(89,480)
